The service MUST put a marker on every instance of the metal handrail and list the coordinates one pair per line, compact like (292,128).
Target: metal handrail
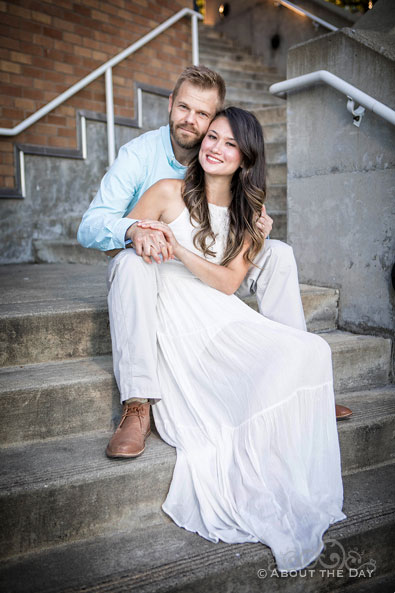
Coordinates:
(352,93)
(106,69)
(304,12)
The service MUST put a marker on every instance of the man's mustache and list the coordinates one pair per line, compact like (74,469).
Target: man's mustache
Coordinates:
(187,127)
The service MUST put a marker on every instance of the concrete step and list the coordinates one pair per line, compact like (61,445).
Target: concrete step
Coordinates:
(65,250)
(59,311)
(276,173)
(262,75)
(53,399)
(245,80)
(271,115)
(52,312)
(276,132)
(57,491)
(165,557)
(358,360)
(279,230)
(276,152)
(235,61)
(367,437)
(276,197)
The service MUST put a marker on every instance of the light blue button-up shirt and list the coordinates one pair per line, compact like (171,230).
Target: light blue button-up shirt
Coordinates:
(141,162)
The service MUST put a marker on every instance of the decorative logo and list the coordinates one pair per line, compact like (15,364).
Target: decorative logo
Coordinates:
(334,561)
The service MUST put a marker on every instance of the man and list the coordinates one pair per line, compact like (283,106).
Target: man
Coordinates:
(133,274)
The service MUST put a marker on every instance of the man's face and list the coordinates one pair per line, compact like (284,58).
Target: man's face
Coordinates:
(191,112)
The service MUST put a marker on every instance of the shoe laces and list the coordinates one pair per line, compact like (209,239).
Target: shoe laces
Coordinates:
(132,410)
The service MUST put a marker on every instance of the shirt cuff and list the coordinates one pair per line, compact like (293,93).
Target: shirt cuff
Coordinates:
(120,230)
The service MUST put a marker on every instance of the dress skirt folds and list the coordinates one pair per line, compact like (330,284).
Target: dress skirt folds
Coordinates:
(249,405)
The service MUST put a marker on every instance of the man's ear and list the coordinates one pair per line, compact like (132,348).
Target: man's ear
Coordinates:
(170,101)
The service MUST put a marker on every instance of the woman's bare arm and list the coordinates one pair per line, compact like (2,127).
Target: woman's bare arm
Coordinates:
(227,278)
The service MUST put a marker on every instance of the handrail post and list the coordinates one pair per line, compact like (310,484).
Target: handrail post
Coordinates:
(110,117)
(195,40)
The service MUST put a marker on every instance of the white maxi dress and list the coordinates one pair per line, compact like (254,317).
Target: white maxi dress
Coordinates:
(249,405)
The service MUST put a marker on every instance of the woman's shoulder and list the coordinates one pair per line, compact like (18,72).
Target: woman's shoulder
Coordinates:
(169,187)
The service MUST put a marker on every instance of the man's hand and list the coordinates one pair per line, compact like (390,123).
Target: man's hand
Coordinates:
(149,243)
(264,223)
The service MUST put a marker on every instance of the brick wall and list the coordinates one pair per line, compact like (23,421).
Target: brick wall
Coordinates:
(47,46)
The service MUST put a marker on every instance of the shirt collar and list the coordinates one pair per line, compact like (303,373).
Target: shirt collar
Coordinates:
(165,132)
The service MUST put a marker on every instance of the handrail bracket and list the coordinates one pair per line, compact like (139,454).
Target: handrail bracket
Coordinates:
(357,113)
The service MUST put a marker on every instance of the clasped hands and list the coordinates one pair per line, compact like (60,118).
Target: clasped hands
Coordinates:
(155,239)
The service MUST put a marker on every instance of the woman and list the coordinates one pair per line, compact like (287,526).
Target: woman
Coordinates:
(247,402)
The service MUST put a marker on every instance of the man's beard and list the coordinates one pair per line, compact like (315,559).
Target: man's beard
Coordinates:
(184,142)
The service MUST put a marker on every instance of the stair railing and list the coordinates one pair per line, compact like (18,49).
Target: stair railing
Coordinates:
(352,93)
(106,69)
(304,12)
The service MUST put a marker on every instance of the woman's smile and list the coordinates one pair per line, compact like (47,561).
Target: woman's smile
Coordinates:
(219,153)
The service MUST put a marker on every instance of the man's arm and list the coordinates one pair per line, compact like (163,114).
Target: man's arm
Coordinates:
(103,226)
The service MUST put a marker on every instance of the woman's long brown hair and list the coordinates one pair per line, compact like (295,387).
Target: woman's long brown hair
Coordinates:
(248,189)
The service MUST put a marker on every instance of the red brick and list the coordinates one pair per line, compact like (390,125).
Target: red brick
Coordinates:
(9,182)
(66,132)
(24,103)
(5,146)
(30,48)
(57,142)
(5,170)
(42,41)
(41,17)
(83,10)
(62,24)
(33,93)
(62,67)
(9,43)
(72,38)
(13,114)
(50,32)
(83,31)
(19,11)
(83,51)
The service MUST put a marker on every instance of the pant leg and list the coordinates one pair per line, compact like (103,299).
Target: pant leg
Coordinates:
(275,283)
(132,296)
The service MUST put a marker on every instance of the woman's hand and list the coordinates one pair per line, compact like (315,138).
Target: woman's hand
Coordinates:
(167,232)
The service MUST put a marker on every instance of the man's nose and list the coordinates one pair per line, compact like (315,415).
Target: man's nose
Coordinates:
(191,117)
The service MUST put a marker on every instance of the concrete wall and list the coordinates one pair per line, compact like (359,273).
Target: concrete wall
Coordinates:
(59,190)
(341,179)
(255,24)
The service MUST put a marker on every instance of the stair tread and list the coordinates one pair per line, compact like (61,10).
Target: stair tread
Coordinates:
(163,556)
(62,287)
(68,460)
(36,376)
(79,457)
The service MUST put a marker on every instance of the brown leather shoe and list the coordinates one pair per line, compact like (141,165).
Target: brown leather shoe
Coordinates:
(129,438)
(342,412)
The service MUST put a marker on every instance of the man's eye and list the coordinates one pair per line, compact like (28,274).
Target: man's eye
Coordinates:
(205,115)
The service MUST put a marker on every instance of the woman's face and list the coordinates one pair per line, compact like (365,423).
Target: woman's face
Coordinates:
(219,152)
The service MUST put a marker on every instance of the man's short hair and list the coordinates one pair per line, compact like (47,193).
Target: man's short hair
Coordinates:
(204,78)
